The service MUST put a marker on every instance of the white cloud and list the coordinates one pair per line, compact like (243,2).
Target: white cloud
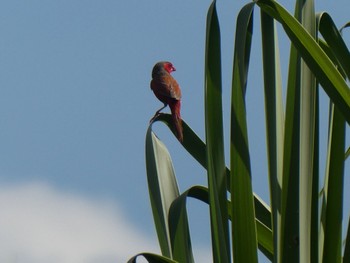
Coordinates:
(40,224)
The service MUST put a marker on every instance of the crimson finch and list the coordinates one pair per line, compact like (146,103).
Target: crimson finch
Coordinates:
(168,91)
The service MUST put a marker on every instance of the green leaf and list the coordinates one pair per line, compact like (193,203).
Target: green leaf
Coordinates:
(288,245)
(201,193)
(163,191)
(346,257)
(315,222)
(214,137)
(191,142)
(335,42)
(274,119)
(265,240)
(344,26)
(332,203)
(264,234)
(178,221)
(152,258)
(197,148)
(244,237)
(338,52)
(316,59)
(347,154)
(307,142)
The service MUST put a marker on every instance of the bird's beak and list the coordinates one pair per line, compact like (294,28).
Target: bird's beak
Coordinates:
(173,69)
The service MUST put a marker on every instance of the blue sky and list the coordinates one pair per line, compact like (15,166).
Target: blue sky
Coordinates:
(74,108)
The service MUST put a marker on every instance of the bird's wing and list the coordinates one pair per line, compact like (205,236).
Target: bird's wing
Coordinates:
(175,89)
(166,86)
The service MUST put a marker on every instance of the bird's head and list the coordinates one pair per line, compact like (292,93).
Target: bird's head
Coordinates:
(169,67)
(162,66)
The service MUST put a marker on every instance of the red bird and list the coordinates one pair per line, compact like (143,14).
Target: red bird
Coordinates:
(168,91)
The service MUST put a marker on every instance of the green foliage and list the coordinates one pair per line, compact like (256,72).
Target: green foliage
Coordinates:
(291,230)
(244,234)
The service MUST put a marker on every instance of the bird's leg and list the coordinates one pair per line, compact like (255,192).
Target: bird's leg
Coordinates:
(157,113)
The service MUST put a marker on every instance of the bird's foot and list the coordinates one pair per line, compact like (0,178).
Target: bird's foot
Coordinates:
(155,116)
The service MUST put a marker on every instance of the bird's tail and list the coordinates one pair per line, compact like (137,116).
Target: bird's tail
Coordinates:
(175,107)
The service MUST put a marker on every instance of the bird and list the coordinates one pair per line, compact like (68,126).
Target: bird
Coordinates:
(168,91)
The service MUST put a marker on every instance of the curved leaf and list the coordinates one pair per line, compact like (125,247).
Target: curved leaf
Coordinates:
(201,193)
(316,59)
(152,258)
(163,190)
(215,142)
(197,148)
(178,221)
(244,237)
(344,26)
(335,42)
